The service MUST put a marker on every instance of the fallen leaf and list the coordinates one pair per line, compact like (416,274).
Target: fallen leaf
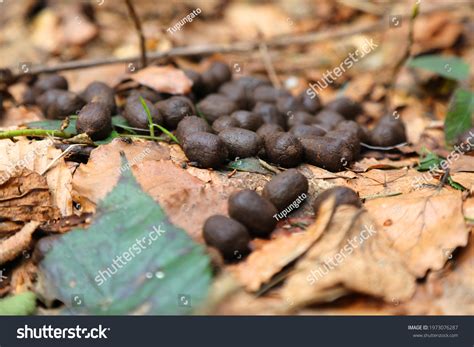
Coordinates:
(464,163)
(448,291)
(189,196)
(352,261)
(165,79)
(24,196)
(466,179)
(92,182)
(435,31)
(37,156)
(261,265)
(367,164)
(424,223)
(378,183)
(171,266)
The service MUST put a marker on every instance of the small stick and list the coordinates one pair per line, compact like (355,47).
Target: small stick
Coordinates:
(267,61)
(138,28)
(69,149)
(404,58)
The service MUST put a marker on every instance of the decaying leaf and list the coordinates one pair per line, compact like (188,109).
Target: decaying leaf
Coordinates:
(367,164)
(189,196)
(37,156)
(378,183)
(92,182)
(448,291)
(352,254)
(165,79)
(261,265)
(420,225)
(25,196)
(128,225)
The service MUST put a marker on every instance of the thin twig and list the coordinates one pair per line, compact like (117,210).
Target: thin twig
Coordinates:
(236,47)
(69,149)
(206,49)
(267,62)
(138,28)
(406,55)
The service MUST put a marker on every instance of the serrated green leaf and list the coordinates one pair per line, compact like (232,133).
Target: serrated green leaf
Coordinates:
(459,116)
(85,268)
(20,304)
(447,66)
(248,165)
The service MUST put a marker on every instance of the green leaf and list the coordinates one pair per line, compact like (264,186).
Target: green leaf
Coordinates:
(248,165)
(455,184)
(21,304)
(447,66)
(53,124)
(459,116)
(148,114)
(428,160)
(119,120)
(131,260)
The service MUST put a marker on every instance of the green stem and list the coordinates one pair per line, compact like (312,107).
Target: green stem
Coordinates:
(147,137)
(167,132)
(148,114)
(33,132)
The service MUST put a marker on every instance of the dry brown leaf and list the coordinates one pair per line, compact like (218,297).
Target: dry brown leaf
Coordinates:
(384,183)
(352,261)
(468,208)
(165,79)
(76,28)
(261,265)
(13,246)
(464,163)
(15,116)
(187,200)
(450,290)
(466,179)
(23,276)
(93,181)
(435,32)
(37,156)
(421,226)
(24,196)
